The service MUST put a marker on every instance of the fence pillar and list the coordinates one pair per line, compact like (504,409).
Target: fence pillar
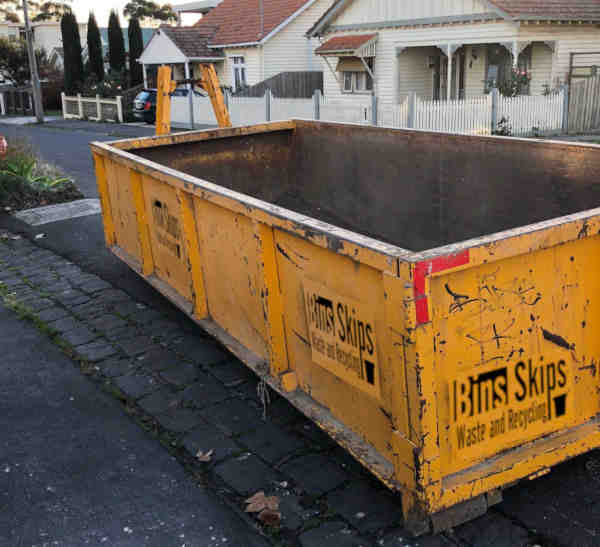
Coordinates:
(566,104)
(2,107)
(98,108)
(80,106)
(226,96)
(412,110)
(268,104)
(317,104)
(64,104)
(120,108)
(373,109)
(495,101)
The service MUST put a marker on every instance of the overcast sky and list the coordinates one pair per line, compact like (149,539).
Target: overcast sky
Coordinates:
(101,9)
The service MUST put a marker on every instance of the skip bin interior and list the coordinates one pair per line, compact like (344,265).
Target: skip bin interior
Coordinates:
(416,190)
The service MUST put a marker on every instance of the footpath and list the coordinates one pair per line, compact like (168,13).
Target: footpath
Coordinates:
(123,428)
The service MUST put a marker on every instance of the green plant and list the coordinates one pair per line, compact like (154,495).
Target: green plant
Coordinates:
(116,43)
(94,44)
(72,53)
(18,166)
(136,47)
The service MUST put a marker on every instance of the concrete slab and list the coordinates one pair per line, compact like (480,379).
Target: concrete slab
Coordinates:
(61,211)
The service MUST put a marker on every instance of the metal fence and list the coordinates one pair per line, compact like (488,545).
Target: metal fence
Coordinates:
(92,108)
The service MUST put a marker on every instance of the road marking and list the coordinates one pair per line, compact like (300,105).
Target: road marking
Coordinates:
(62,211)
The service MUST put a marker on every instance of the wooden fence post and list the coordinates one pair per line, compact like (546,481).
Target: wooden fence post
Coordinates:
(373,109)
(268,105)
(98,108)
(566,103)
(64,104)
(317,104)
(80,105)
(412,110)
(120,108)
(495,101)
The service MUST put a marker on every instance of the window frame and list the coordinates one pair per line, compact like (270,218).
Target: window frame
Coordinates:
(367,86)
(238,66)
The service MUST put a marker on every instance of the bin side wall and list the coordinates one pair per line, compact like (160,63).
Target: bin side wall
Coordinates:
(515,348)
(257,165)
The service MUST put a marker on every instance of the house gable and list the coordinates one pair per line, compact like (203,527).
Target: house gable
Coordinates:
(348,14)
(161,49)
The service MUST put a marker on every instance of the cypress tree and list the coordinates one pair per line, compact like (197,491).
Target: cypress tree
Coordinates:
(136,46)
(116,43)
(73,63)
(94,45)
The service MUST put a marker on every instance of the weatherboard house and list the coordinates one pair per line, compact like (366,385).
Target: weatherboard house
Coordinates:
(439,49)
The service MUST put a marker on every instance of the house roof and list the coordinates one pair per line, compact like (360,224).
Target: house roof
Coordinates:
(192,41)
(512,10)
(240,22)
(565,10)
(340,44)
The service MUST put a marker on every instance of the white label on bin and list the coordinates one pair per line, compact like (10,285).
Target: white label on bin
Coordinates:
(510,403)
(342,336)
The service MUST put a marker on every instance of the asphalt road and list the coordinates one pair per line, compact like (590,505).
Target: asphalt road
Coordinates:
(75,470)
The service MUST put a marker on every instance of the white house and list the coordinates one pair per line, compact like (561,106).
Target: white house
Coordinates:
(247,44)
(458,48)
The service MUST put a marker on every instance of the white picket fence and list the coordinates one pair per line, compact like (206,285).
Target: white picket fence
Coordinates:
(92,108)
(525,115)
(472,116)
(533,115)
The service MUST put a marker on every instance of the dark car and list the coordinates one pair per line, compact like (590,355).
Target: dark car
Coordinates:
(144,106)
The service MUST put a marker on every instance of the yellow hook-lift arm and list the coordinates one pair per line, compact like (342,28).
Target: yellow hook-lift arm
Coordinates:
(165,86)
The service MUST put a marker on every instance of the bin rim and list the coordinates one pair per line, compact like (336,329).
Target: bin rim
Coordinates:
(334,235)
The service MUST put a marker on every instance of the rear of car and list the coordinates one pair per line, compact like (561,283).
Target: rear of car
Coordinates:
(144,106)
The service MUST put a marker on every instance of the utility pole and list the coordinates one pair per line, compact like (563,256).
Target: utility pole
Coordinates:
(33,70)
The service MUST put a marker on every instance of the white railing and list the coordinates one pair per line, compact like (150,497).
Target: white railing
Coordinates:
(523,115)
(92,108)
(472,116)
(532,114)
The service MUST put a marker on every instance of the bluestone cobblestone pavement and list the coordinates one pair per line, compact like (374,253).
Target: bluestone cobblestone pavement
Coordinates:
(190,394)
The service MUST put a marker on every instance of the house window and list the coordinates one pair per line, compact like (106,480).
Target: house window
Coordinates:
(355,78)
(239,72)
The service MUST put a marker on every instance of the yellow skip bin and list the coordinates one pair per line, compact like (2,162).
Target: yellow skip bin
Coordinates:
(429,300)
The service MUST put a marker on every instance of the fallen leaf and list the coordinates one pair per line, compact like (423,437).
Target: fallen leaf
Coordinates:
(270,517)
(204,456)
(259,502)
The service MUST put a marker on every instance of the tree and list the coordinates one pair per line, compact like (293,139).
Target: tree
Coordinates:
(12,10)
(14,62)
(147,9)
(136,46)
(116,43)
(72,53)
(94,45)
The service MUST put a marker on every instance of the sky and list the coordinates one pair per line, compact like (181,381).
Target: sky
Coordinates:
(101,9)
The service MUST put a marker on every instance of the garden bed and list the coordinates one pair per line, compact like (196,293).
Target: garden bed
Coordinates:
(27,182)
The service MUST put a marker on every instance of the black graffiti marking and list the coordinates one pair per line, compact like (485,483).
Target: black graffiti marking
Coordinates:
(584,230)
(460,300)
(301,338)
(286,255)
(557,340)
(498,337)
